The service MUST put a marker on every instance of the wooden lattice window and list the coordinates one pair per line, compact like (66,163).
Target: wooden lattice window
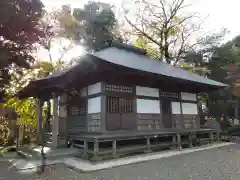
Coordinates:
(118,88)
(119,105)
(169,94)
(94,123)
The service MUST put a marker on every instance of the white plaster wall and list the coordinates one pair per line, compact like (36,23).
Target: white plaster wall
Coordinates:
(189,108)
(188,96)
(94,105)
(94,89)
(145,91)
(148,106)
(176,108)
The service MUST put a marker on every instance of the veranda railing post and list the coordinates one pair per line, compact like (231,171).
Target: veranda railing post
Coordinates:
(179,141)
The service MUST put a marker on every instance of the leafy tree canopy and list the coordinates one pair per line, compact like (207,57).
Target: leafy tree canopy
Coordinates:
(93,26)
(18,32)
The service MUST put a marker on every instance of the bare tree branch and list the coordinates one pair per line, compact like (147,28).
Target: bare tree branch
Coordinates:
(165,27)
(145,34)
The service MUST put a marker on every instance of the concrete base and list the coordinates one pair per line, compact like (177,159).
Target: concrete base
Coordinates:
(86,166)
(35,153)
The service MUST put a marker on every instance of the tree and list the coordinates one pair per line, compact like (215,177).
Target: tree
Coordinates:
(25,108)
(216,59)
(55,36)
(18,32)
(163,25)
(93,26)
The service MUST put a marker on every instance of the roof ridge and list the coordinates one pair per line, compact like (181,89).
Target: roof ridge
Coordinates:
(128,47)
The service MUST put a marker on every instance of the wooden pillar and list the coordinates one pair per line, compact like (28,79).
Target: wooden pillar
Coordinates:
(211,136)
(55,123)
(218,136)
(39,104)
(182,115)
(103,108)
(148,145)
(174,142)
(62,117)
(114,149)
(95,150)
(85,152)
(179,141)
(190,140)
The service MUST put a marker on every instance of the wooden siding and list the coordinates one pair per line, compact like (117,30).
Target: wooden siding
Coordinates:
(149,121)
(113,121)
(191,121)
(76,124)
(128,121)
(177,121)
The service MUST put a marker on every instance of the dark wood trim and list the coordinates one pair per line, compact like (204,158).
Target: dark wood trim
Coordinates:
(181,110)
(134,106)
(86,119)
(187,101)
(103,108)
(119,94)
(161,111)
(147,97)
(95,95)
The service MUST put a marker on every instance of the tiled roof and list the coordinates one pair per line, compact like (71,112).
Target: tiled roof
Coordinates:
(124,56)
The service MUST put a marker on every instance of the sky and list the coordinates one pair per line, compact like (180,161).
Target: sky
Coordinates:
(217,14)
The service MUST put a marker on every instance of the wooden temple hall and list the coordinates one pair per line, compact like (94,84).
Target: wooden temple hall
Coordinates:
(118,100)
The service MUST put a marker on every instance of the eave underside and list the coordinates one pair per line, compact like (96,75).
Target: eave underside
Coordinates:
(95,70)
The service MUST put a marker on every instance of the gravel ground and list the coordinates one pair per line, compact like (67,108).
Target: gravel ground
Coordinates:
(215,164)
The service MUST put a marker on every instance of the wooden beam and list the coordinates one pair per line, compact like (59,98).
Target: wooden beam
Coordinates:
(179,141)
(55,122)
(103,108)
(39,104)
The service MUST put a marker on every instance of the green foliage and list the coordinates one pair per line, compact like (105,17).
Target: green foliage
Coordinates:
(144,43)
(93,26)
(4,131)
(26,109)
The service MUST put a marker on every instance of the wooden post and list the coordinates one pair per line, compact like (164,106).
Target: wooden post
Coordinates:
(103,108)
(174,142)
(190,140)
(85,153)
(96,151)
(179,141)
(211,136)
(39,104)
(148,145)
(55,123)
(218,136)
(114,149)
